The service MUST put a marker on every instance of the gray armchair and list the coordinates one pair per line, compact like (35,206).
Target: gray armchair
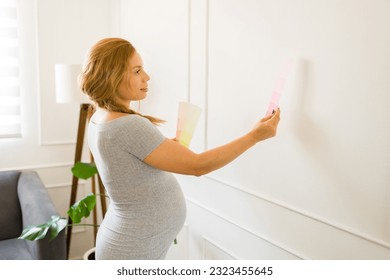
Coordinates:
(24,201)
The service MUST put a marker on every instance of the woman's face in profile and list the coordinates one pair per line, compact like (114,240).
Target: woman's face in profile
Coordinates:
(134,85)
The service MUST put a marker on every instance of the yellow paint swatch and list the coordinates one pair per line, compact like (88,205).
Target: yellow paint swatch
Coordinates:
(187,121)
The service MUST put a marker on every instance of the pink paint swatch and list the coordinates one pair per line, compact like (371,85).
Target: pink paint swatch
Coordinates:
(279,86)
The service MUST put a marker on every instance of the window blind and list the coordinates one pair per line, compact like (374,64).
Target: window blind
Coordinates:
(10,102)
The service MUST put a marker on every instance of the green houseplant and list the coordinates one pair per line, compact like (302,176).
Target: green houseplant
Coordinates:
(79,210)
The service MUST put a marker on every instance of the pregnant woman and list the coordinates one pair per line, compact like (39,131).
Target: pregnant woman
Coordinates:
(135,161)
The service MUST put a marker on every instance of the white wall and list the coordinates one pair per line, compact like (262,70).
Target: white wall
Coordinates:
(55,31)
(320,189)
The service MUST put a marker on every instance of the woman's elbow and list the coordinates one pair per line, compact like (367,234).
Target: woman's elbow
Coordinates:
(198,172)
(200,167)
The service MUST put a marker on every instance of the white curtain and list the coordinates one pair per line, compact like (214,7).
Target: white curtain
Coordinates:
(10,102)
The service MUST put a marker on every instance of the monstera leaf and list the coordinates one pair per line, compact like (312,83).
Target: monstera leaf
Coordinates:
(84,170)
(36,232)
(82,208)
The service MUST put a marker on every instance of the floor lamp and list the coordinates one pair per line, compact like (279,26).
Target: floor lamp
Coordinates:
(68,91)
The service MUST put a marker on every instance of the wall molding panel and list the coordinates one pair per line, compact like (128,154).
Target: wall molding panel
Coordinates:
(232,238)
(300,212)
(284,231)
(90,22)
(56,143)
(39,166)
(212,250)
(243,228)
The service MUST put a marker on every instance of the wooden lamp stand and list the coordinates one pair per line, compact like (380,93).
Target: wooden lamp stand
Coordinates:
(86,111)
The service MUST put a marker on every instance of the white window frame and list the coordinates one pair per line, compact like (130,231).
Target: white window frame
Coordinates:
(10,97)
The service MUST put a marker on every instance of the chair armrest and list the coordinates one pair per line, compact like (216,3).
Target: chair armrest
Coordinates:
(37,208)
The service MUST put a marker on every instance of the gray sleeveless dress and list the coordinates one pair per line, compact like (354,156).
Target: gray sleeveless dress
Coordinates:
(147,208)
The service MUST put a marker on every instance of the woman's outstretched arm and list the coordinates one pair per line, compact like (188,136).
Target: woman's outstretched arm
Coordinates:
(172,157)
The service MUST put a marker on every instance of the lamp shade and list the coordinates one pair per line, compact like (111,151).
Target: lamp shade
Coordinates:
(67,88)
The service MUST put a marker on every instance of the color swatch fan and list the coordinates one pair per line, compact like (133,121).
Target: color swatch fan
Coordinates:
(187,121)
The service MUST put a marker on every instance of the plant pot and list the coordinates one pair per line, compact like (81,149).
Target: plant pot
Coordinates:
(89,255)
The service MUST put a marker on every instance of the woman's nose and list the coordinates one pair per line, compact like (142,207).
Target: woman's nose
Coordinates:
(147,77)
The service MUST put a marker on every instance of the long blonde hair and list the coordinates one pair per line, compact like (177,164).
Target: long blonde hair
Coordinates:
(106,64)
